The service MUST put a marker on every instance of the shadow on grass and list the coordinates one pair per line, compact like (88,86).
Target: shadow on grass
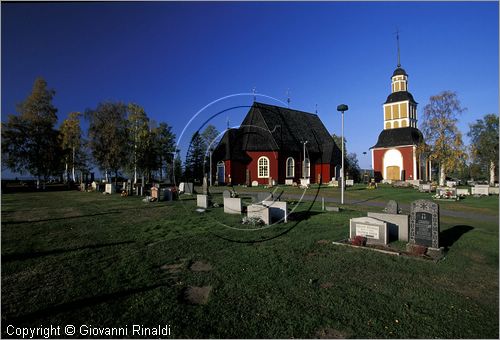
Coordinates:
(32,255)
(303,215)
(85,302)
(62,218)
(451,235)
(367,200)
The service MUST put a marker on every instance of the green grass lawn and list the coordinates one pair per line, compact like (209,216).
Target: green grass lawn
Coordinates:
(87,258)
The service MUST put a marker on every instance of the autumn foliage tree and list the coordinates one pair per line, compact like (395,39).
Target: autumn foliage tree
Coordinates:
(441,134)
(484,144)
(108,136)
(29,140)
(71,142)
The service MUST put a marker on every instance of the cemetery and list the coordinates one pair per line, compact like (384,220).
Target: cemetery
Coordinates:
(163,255)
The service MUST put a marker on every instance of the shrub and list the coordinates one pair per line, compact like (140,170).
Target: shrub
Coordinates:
(359,241)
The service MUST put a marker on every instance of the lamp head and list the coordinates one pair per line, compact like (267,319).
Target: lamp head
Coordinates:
(342,107)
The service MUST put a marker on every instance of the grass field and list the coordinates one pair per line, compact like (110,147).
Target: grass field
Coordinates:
(87,258)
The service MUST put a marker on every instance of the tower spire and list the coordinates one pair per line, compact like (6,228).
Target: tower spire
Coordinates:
(397,39)
(288,97)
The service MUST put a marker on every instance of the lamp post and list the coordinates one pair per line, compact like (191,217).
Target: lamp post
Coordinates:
(342,108)
(304,161)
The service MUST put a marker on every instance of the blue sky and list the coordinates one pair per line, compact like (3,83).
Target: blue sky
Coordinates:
(175,58)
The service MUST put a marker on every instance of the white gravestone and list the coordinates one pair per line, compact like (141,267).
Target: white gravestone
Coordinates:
(277,209)
(255,183)
(202,201)
(493,190)
(110,188)
(232,205)
(482,189)
(424,188)
(349,182)
(289,181)
(375,230)
(463,192)
(259,211)
(181,188)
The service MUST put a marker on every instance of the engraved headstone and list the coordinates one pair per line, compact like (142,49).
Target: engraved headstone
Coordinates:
(481,189)
(424,188)
(375,230)
(349,182)
(424,223)
(398,224)
(277,209)
(255,183)
(392,207)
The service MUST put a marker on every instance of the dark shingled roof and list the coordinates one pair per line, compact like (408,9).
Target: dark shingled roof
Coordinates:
(399,136)
(272,128)
(400,96)
(399,72)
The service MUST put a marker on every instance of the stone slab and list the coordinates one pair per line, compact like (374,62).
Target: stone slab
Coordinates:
(232,205)
(493,190)
(349,182)
(375,231)
(332,209)
(463,192)
(288,181)
(398,224)
(110,188)
(424,188)
(202,201)
(259,211)
(481,189)
(278,210)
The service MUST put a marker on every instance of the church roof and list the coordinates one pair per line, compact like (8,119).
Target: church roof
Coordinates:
(399,136)
(274,128)
(399,72)
(400,96)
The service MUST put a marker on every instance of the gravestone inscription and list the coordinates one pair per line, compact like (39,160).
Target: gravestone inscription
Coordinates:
(424,223)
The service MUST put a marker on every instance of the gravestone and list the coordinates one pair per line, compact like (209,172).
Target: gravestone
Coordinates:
(154,193)
(392,207)
(424,188)
(463,192)
(259,211)
(270,182)
(451,184)
(232,205)
(349,182)
(202,201)
(110,188)
(226,194)
(255,183)
(398,224)
(277,209)
(188,188)
(335,183)
(289,181)
(424,223)
(375,231)
(482,189)
(166,194)
(204,187)
(493,190)
(181,187)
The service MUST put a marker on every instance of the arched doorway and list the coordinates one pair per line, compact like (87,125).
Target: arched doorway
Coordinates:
(393,164)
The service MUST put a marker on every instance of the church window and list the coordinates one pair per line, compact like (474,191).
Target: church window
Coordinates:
(263,164)
(290,167)
(307,167)
(395,111)
(388,125)
(396,125)
(403,123)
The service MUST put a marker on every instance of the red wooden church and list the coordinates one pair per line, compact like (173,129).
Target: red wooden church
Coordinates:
(271,143)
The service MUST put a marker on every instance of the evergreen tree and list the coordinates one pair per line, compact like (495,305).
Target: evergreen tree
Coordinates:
(165,145)
(194,166)
(29,140)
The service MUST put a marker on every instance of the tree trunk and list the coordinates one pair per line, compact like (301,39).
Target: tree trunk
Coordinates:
(442,175)
(492,173)
(66,177)
(73,167)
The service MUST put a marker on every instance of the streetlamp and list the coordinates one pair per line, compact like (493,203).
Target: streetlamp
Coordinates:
(342,108)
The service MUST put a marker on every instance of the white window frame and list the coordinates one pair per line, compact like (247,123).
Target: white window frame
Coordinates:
(290,174)
(264,167)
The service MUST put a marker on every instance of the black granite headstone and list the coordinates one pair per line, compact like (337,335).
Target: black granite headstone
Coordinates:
(424,223)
